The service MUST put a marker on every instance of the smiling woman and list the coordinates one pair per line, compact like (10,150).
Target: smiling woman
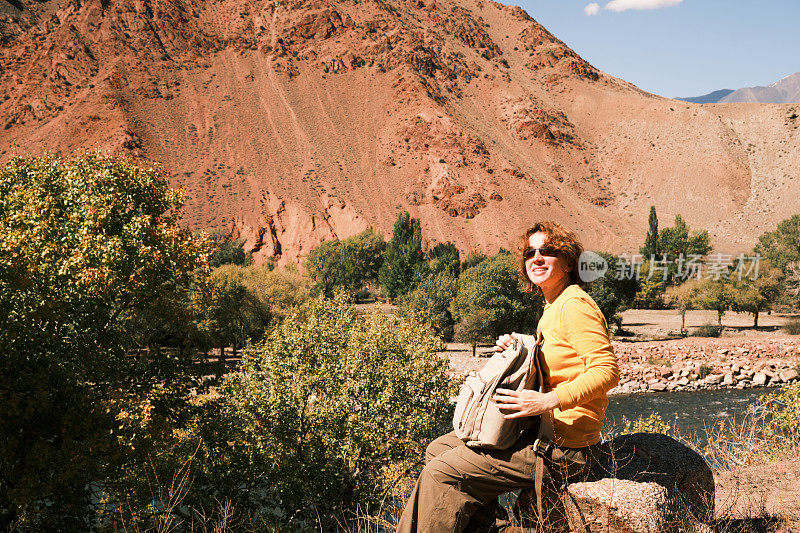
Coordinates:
(459,486)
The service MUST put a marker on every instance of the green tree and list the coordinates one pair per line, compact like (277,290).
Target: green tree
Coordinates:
(473,258)
(333,408)
(236,304)
(759,294)
(278,292)
(494,285)
(444,257)
(228,314)
(84,244)
(685,297)
(650,246)
(349,263)
(699,243)
(781,246)
(431,300)
(226,251)
(651,287)
(676,241)
(612,295)
(717,294)
(404,262)
(669,247)
(473,328)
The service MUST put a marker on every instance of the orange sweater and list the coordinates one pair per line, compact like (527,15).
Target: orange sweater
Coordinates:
(579,364)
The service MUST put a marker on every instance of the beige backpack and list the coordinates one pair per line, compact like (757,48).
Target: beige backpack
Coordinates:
(477,420)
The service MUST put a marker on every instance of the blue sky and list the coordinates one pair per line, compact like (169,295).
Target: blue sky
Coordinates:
(680,47)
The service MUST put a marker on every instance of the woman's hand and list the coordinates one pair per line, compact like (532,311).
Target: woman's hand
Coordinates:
(525,402)
(503,342)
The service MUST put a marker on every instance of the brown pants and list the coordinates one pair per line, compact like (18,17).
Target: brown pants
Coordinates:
(460,483)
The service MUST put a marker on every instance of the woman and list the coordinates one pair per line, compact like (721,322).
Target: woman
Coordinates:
(459,485)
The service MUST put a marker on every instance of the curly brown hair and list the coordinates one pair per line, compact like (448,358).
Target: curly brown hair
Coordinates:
(559,237)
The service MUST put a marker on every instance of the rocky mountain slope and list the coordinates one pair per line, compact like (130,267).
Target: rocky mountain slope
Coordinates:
(290,122)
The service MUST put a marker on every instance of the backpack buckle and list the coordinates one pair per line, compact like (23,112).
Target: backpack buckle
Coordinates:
(542,446)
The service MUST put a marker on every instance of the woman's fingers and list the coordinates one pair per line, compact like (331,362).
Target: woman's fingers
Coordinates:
(503,342)
(506,399)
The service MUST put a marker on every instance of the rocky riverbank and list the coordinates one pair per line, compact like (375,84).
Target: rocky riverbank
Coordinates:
(685,364)
(702,363)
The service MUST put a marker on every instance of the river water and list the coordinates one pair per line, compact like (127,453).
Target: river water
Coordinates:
(690,413)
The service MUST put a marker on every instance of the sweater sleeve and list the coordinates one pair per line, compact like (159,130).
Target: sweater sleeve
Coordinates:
(585,329)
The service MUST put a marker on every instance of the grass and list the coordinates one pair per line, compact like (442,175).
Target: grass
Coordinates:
(792,327)
(706,330)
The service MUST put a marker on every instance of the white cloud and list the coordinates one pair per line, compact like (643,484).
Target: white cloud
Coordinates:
(624,5)
(592,9)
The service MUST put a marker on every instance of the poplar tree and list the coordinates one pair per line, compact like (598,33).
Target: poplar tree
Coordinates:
(404,258)
(651,241)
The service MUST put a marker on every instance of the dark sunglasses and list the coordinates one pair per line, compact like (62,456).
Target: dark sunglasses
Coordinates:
(545,251)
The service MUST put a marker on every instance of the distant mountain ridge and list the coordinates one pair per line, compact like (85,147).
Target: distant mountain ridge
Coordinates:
(710,98)
(784,91)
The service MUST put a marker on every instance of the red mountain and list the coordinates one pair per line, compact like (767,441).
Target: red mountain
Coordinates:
(291,122)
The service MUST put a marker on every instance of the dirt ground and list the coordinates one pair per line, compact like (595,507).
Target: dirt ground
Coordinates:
(644,322)
(760,497)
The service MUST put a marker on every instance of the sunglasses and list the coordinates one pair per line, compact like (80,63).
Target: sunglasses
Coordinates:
(545,251)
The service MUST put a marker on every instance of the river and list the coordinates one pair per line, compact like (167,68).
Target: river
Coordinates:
(691,413)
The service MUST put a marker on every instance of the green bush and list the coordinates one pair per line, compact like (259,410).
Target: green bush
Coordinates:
(85,245)
(612,295)
(652,424)
(792,327)
(431,300)
(334,407)
(227,251)
(707,330)
(783,407)
(493,285)
(703,371)
(348,264)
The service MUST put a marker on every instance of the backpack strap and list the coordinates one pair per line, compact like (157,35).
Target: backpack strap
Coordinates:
(545,437)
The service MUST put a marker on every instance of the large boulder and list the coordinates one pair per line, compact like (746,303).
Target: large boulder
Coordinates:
(643,482)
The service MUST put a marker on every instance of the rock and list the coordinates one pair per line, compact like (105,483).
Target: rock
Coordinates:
(632,385)
(682,382)
(760,379)
(788,375)
(728,380)
(714,379)
(636,506)
(657,386)
(643,483)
